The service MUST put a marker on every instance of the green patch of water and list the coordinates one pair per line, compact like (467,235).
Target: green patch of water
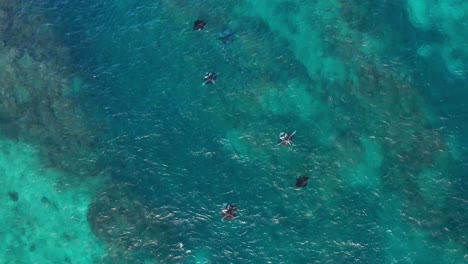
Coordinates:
(46,221)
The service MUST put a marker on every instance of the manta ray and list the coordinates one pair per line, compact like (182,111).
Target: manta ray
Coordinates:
(301,181)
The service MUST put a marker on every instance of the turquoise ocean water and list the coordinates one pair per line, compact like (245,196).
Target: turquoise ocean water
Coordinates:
(111,150)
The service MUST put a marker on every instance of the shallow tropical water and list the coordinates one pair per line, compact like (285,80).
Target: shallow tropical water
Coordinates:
(113,152)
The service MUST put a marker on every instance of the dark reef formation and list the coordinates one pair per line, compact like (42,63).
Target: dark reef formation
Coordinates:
(127,226)
(38,92)
(40,105)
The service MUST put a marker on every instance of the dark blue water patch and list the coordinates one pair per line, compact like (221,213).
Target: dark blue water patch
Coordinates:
(389,21)
(439,87)
(445,93)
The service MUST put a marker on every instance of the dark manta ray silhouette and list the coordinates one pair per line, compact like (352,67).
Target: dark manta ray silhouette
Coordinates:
(286,139)
(301,181)
(199,25)
(227,37)
(210,78)
(229,211)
